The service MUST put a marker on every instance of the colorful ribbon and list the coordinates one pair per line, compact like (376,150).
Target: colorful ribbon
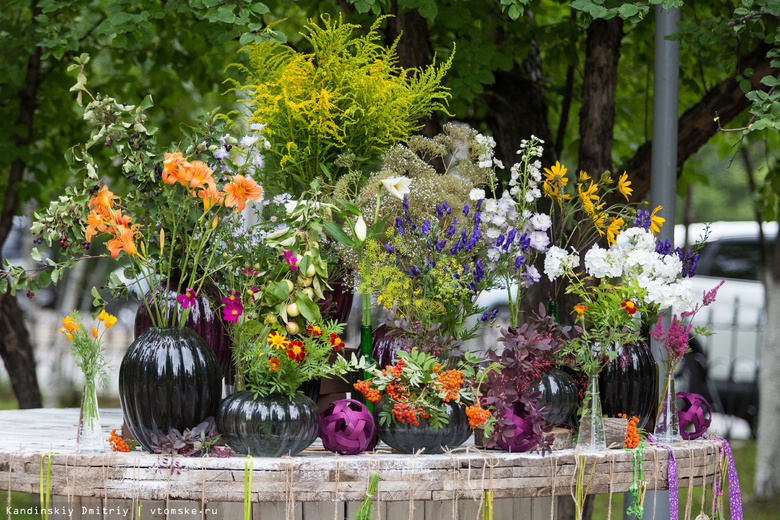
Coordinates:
(735,497)
(673,500)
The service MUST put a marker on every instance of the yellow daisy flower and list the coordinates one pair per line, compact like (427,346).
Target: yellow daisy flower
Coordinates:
(656,221)
(556,175)
(623,185)
(584,176)
(613,230)
(277,341)
(587,197)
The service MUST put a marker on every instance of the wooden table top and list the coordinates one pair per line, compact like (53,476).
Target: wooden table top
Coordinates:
(32,439)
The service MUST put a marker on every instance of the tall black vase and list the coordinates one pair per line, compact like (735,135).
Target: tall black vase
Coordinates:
(169,378)
(559,394)
(629,383)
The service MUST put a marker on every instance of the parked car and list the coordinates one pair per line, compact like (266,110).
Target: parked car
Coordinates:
(724,368)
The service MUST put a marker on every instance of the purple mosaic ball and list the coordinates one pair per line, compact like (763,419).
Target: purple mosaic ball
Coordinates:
(694,414)
(524,439)
(347,427)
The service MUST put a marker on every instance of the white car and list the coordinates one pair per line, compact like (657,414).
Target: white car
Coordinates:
(724,367)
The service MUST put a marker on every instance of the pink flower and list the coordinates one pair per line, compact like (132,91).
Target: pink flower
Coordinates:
(709,296)
(290,258)
(674,339)
(233,307)
(188,299)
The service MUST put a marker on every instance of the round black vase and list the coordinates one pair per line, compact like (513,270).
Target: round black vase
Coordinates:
(559,394)
(410,438)
(629,383)
(269,426)
(169,378)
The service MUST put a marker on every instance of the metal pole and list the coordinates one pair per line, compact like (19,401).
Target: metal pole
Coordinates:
(663,187)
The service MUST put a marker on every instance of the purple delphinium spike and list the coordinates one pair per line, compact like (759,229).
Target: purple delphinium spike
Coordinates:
(500,240)
(664,247)
(479,272)
(451,230)
(519,261)
(447,207)
(466,210)
(440,245)
(439,212)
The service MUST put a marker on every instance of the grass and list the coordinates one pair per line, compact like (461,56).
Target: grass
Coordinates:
(745,459)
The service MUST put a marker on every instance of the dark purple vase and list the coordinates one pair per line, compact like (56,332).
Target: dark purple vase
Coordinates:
(337,302)
(204,318)
(384,347)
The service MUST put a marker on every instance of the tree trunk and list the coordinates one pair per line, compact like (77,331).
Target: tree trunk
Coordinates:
(599,84)
(767,483)
(15,347)
(414,50)
(697,125)
(17,353)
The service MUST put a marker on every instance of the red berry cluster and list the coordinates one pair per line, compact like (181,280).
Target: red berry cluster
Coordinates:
(403,413)
(632,435)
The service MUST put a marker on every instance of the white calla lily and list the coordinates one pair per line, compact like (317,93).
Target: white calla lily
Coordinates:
(397,186)
(360,229)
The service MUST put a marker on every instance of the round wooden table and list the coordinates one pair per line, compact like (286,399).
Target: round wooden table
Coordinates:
(315,483)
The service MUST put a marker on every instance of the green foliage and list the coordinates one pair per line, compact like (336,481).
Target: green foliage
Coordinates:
(348,95)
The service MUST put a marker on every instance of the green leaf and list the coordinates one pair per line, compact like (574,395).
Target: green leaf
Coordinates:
(351,207)
(36,255)
(307,308)
(260,8)
(279,290)
(628,10)
(225,14)
(338,234)
(95,293)
(769,81)
(44,279)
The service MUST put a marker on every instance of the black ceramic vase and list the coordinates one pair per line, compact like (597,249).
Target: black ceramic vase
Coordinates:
(269,426)
(204,317)
(169,378)
(410,438)
(629,383)
(559,394)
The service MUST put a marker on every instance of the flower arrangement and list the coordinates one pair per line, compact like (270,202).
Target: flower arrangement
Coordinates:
(278,364)
(346,96)
(86,346)
(417,385)
(181,201)
(527,351)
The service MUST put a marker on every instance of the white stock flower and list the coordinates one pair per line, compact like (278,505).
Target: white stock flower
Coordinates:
(248,140)
(639,239)
(539,240)
(557,262)
(493,232)
(477,194)
(541,221)
(600,263)
(397,186)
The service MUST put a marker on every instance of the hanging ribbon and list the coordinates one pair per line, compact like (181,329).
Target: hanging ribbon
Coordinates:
(637,486)
(735,497)
(673,500)
(248,469)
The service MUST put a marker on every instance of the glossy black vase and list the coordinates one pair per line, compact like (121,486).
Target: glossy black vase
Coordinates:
(204,317)
(559,394)
(269,426)
(629,383)
(385,346)
(410,438)
(169,378)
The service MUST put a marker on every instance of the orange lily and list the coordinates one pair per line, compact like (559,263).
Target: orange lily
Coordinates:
(96,222)
(210,196)
(103,200)
(241,189)
(172,166)
(200,175)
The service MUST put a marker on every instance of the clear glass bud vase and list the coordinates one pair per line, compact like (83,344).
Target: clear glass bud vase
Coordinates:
(591,434)
(667,424)
(90,434)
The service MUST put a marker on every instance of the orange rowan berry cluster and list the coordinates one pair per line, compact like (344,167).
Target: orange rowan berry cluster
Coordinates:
(403,413)
(372,394)
(477,415)
(451,381)
(397,369)
(632,436)
(396,392)
(117,443)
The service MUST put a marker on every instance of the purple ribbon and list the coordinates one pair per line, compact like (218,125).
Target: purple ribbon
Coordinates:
(735,497)
(673,500)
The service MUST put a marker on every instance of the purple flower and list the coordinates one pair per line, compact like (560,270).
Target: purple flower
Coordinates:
(290,258)
(414,271)
(479,204)
(500,240)
(663,247)
(479,272)
(426,227)
(439,212)
(389,248)
(477,217)
(447,207)
(440,245)
(233,306)
(519,261)
(188,299)
(466,210)
(451,230)
(399,225)
(510,237)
